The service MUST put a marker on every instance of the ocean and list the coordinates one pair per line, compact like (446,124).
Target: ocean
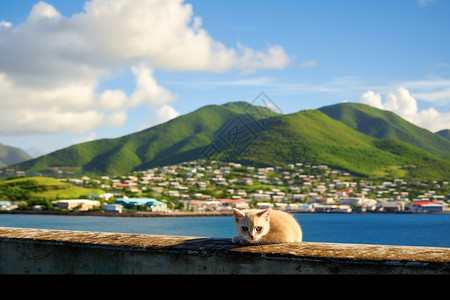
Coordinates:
(378,228)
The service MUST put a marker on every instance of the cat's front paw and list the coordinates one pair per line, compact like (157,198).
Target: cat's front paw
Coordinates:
(236,239)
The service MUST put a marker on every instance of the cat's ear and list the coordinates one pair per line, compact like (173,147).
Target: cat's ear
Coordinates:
(265,214)
(238,214)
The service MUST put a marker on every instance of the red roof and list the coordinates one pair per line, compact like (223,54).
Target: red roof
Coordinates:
(231,200)
(424,202)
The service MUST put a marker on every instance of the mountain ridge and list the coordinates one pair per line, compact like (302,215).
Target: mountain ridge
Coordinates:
(11,155)
(168,143)
(445,133)
(325,140)
(386,124)
(258,135)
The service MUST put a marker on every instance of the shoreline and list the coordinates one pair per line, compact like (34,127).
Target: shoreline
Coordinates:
(178,214)
(122,214)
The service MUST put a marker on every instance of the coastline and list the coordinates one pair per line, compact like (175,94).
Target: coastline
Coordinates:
(177,214)
(122,214)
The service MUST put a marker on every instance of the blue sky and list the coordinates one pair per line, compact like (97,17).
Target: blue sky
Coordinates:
(73,71)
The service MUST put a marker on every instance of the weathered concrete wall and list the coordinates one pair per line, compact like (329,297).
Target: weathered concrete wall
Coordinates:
(39,251)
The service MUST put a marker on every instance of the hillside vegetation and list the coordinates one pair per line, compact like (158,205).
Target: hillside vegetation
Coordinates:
(12,155)
(311,136)
(41,188)
(385,124)
(445,133)
(349,136)
(175,141)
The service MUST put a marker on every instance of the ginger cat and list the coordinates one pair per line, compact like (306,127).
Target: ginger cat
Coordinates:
(258,227)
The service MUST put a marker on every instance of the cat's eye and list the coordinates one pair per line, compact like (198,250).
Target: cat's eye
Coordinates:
(258,228)
(244,228)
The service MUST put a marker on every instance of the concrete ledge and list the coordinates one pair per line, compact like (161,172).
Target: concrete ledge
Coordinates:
(41,251)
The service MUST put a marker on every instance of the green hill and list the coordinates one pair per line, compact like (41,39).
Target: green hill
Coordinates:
(366,141)
(444,133)
(311,136)
(385,124)
(177,140)
(11,155)
(41,188)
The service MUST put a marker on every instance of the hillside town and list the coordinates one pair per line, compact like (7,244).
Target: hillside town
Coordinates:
(201,186)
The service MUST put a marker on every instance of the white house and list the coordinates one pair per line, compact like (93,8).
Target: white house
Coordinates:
(105,196)
(322,200)
(264,205)
(8,205)
(341,209)
(299,197)
(301,207)
(357,201)
(391,206)
(260,197)
(83,204)
(351,201)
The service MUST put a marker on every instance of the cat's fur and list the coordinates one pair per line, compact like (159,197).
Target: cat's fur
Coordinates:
(258,227)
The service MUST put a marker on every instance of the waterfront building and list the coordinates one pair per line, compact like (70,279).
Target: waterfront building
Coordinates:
(426,206)
(358,201)
(8,205)
(154,204)
(324,208)
(322,200)
(202,205)
(80,204)
(113,208)
(391,206)
(306,207)
(238,203)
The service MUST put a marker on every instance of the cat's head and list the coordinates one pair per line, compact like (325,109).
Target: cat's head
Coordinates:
(252,224)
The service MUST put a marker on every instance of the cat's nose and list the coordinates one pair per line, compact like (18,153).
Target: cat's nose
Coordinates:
(251,236)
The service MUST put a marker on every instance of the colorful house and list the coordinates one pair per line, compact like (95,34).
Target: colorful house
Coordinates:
(154,204)
(426,206)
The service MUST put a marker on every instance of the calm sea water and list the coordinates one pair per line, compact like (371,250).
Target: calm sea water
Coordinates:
(387,229)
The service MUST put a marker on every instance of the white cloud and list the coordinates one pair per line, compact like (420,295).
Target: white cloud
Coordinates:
(160,115)
(43,11)
(424,2)
(89,137)
(434,89)
(115,119)
(164,33)
(52,65)
(147,90)
(252,60)
(405,105)
(53,120)
(112,99)
(439,97)
(309,64)
(166,113)
(5,24)
(372,99)
(402,103)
